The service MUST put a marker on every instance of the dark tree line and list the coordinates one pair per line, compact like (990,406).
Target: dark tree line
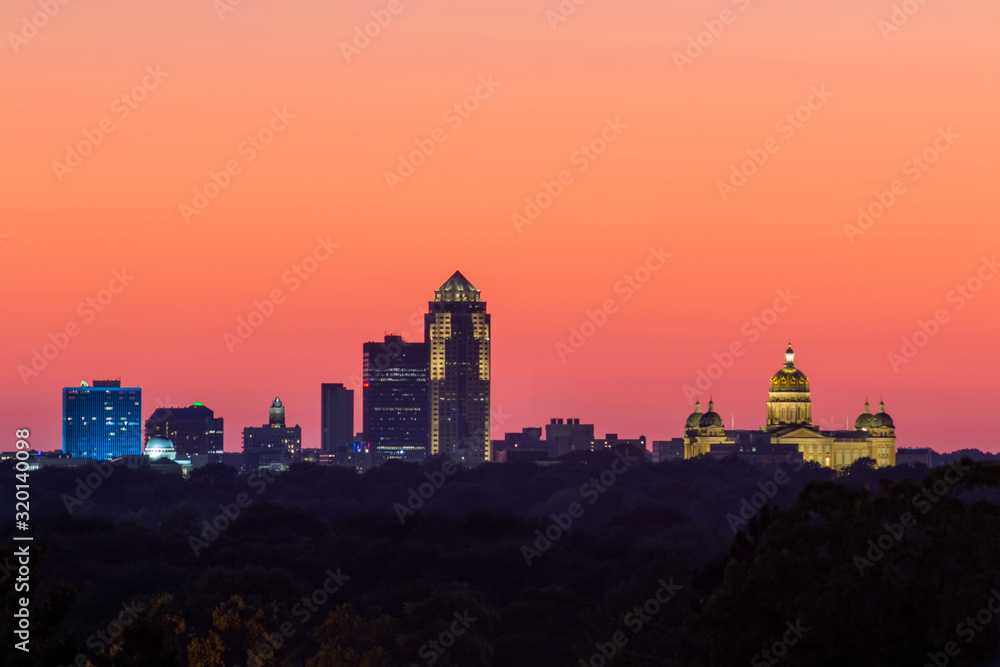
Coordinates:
(314,566)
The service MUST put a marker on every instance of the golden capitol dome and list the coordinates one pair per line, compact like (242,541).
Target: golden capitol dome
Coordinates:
(789,378)
(789,430)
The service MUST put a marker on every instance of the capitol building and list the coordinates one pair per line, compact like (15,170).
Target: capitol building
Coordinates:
(789,429)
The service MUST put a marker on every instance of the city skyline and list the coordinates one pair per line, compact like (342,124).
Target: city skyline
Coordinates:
(528,333)
(164,184)
(701,385)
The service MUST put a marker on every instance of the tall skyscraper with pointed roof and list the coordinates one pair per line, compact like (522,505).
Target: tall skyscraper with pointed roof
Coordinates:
(457,332)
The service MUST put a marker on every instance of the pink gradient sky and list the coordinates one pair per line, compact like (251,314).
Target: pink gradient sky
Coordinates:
(656,185)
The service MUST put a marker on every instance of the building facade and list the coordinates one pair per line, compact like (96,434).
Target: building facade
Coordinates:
(668,450)
(194,430)
(457,331)
(565,436)
(915,456)
(395,399)
(789,425)
(337,417)
(103,421)
(273,445)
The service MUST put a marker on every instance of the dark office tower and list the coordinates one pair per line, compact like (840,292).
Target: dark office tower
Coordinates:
(193,430)
(273,444)
(394,397)
(103,421)
(337,419)
(457,331)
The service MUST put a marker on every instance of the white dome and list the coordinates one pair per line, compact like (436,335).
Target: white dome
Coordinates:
(158,448)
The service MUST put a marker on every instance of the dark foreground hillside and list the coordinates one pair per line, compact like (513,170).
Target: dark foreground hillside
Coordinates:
(599,560)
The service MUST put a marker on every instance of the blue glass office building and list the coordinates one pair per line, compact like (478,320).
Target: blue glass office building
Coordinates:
(103,421)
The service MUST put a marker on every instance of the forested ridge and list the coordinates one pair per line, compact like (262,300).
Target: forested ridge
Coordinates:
(602,558)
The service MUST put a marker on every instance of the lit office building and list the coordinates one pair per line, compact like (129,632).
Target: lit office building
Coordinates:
(394,398)
(103,421)
(457,331)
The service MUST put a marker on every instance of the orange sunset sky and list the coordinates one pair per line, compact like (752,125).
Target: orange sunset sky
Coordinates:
(116,113)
